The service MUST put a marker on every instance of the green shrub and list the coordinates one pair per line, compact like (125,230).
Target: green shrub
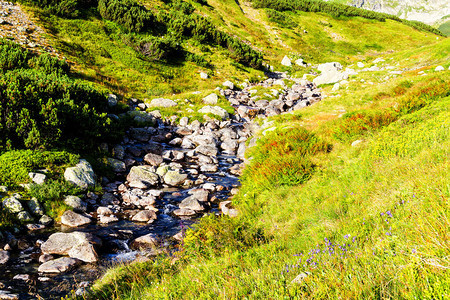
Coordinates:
(15,165)
(48,64)
(12,56)
(128,13)
(64,8)
(47,110)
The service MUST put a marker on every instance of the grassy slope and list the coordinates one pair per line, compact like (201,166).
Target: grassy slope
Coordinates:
(372,222)
(102,58)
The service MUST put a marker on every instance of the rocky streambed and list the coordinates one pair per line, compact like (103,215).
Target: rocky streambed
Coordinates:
(166,176)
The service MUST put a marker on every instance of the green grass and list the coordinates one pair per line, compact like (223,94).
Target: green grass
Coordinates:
(367,222)
(445,28)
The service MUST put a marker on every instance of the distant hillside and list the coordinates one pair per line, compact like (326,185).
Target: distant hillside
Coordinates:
(427,11)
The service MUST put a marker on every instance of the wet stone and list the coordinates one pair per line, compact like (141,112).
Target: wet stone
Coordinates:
(60,265)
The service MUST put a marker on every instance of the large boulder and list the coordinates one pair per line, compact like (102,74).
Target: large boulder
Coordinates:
(161,102)
(12,205)
(144,175)
(82,175)
(76,244)
(215,110)
(72,219)
(59,265)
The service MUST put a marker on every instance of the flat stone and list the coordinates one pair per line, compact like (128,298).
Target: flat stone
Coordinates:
(161,102)
(45,258)
(72,219)
(59,265)
(181,212)
(210,168)
(5,295)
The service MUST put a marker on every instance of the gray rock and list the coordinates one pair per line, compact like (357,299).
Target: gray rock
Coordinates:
(108,219)
(184,121)
(112,100)
(439,68)
(76,244)
(199,194)
(45,220)
(24,216)
(144,216)
(191,203)
(12,205)
(286,61)
(145,242)
(118,152)
(211,99)
(143,174)
(153,159)
(4,257)
(209,150)
(161,102)
(228,84)
(76,203)
(174,178)
(35,207)
(37,178)
(23,277)
(215,110)
(117,165)
(45,258)
(103,210)
(210,168)
(82,175)
(35,227)
(59,265)
(72,219)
